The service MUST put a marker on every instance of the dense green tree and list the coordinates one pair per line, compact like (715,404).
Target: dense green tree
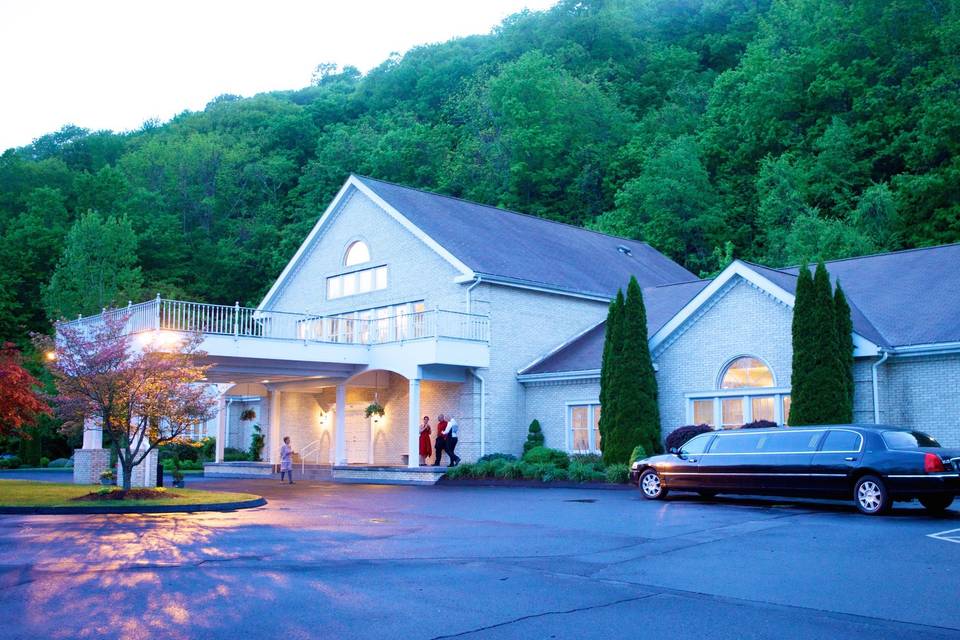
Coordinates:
(844,354)
(97,269)
(819,379)
(631,384)
(802,331)
(773,130)
(609,394)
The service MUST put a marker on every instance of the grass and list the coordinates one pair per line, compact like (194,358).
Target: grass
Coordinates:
(27,493)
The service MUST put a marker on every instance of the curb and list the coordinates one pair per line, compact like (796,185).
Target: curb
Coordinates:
(99,510)
(533,484)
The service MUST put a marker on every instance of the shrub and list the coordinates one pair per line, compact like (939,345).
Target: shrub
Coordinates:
(585,472)
(759,424)
(530,471)
(460,471)
(639,453)
(231,454)
(589,459)
(256,443)
(551,473)
(679,436)
(618,474)
(9,463)
(546,455)
(509,470)
(535,437)
(60,463)
(497,456)
(44,461)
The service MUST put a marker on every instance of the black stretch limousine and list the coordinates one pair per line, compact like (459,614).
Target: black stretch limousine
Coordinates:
(874,465)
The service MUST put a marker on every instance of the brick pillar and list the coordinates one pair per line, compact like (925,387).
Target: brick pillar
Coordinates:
(88,464)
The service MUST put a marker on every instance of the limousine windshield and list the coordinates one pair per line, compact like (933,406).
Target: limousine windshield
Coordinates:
(908,440)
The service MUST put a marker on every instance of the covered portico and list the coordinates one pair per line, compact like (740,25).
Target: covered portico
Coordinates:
(326,417)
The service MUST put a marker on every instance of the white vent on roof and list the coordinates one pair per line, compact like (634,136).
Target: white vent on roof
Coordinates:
(625,250)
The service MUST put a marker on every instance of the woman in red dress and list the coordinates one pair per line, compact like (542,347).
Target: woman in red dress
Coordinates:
(425,449)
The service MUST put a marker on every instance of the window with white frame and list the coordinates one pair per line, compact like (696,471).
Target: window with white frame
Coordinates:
(381,324)
(357,253)
(357,282)
(746,392)
(583,427)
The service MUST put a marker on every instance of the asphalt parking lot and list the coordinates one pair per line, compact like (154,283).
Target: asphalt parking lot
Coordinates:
(362,561)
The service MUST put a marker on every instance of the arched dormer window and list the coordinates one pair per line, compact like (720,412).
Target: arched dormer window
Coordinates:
(746,371)
(357,253)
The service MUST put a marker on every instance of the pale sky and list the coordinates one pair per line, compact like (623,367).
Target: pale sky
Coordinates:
(113,64)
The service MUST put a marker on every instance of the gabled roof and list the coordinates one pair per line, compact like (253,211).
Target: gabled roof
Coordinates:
(898,301)
(585,351)
(510,247)
(912,297)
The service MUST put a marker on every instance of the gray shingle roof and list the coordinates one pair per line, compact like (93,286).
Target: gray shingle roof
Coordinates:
(586,351)
(523,248)
(911,297)
(896,299)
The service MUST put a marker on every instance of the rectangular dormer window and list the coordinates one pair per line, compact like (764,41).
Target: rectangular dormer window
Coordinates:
(357,282)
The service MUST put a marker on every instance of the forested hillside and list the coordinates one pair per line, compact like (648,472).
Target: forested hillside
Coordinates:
(775,131)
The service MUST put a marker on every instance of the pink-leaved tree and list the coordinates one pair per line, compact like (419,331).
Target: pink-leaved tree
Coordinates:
(145,389)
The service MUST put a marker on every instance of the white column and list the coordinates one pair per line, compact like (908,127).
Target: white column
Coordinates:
(221,427)
(274,434)
(92,434)
(340,427)
(413,435)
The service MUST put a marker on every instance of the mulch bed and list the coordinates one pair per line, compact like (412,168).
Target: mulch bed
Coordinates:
(120,494)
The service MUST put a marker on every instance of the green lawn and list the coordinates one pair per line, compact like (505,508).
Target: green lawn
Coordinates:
(27,493)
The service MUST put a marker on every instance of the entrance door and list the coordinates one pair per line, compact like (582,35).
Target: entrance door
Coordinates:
(358,434)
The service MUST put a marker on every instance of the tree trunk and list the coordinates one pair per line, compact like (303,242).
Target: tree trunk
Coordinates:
(127,470)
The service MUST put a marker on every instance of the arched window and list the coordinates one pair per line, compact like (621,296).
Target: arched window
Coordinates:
(746,372)
(357,253)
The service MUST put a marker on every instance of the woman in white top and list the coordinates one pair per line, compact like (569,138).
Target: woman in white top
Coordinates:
(286,459)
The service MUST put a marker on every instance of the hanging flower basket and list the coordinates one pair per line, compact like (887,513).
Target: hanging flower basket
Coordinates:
(374,409)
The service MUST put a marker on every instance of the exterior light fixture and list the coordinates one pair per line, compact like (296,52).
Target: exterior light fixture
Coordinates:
(51,355)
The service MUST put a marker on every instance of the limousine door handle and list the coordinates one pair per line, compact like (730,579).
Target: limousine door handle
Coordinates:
(691,459)
(850,458)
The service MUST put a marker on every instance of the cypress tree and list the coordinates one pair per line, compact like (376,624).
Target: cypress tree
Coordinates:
(638,415)
(826,380)
(844,353)
(802,362)
(611,351)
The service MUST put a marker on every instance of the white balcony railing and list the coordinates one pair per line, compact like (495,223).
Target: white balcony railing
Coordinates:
(247,322)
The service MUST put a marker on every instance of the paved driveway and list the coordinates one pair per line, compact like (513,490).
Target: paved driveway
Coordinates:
(360,561)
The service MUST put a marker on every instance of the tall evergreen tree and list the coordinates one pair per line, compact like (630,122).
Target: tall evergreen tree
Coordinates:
(802,331)
(637,416)
(844,352)
(611,351)
(820,396)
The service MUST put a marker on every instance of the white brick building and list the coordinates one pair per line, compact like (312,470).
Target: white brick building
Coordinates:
(426,304)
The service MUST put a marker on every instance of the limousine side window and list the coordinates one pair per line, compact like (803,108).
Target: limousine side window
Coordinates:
(841,442)
(796,442)
(696,446)
(736,443)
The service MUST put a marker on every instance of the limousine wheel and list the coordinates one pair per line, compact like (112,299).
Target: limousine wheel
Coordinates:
(870,495)
(937,503)
(650,485)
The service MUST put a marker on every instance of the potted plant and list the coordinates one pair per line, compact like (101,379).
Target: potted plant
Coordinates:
(106,477)
(177,475)
(374,408)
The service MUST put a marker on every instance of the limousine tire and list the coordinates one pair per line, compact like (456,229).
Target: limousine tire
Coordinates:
(937,503)
(651,486)
(871,496)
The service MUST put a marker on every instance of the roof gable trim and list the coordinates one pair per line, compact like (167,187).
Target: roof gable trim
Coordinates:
(354,184)
(719,285)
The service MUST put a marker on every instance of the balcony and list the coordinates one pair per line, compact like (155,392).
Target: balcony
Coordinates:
(399,342)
